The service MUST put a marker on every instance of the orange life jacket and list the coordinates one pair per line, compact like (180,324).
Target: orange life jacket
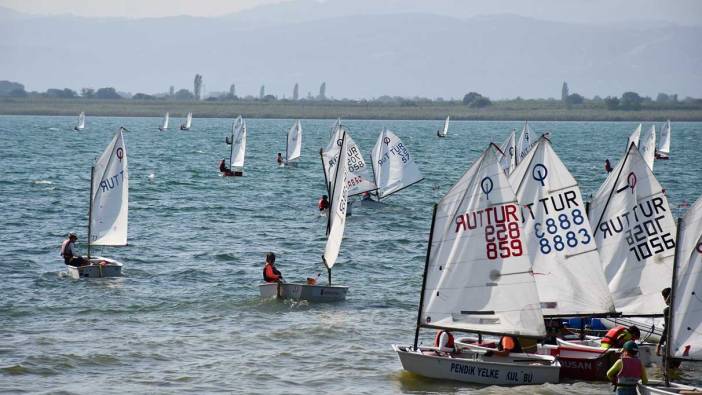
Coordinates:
(449,343)
(612,336)
(270,274)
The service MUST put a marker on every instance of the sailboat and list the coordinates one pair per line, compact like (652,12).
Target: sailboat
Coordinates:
(684,339)
(634,137)
(237,153)
(311,291)
(444,132)
(525,142)
(108,212)
(359,178)
(508,159)
(648,147)
(478,278)
(293,144)
(81,122)
(188,122)
(393,167)
(237,123)
(164,126)
(663,151)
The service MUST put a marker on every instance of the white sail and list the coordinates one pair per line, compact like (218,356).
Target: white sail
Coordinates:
(525,142)
(444,132)
(189,120)
(635,234)
(337,211)
(664,148)
(109,201)
(238,152)
(81,121)
(293,148)
(648,147)
(165,121)
(686,334)
(508,149)
(359,176)
(565,261)
(479,277)
(393,166)
(634,137)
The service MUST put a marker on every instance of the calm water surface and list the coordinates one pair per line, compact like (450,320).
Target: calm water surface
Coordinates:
(186,316)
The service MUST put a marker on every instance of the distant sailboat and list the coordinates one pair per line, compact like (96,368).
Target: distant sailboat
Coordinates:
(188,122)
(357,166)
(164,126)
(444,132)
(663,151)
(81,122)
(293,144)
(108,213)
(238,149)
(508,159)
(394,168)
(648,147)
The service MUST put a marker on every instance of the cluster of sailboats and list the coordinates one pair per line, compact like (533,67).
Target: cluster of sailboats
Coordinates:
(187,123)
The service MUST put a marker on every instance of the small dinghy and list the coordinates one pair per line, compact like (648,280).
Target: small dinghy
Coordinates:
(444,131)
(237,152)
(164,125)
(188,122)
(81,122)
(394,168)
(580,363)
(108,213)
(359,176)
(663,151)
(293,144)
(471,285)
(336,222)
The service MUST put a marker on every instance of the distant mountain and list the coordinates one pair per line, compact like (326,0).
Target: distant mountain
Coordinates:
(359,55)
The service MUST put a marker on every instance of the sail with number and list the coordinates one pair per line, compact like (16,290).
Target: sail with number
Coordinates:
(635,234)
(444,132)
(686,332)
(648,147)
(478,274)
(359,176)
(557,233)
(525,142)
(110,195)
(507,152)
(393,165)
(634,137)
(337,206)
(238,149)
(81,121)
(293,147)
(664,148)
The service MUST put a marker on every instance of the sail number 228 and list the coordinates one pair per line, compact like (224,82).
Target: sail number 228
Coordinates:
(502,240)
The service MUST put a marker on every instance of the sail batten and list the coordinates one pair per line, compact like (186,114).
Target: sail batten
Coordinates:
(393,165)
(109,203)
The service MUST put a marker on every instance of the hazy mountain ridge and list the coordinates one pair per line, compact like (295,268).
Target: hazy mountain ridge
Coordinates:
(419,54)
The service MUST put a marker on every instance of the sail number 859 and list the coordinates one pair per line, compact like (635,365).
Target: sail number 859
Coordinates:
(502,240)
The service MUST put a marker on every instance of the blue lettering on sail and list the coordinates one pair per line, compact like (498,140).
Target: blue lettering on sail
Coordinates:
(111,183)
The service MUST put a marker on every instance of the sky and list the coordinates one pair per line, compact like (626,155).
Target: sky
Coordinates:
(687,12)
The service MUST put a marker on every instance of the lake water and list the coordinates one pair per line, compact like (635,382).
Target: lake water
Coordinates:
(186,316)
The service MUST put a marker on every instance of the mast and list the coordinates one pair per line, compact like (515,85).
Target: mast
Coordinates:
(669,323)
(424,278)
(375,179)
(287,141)
(90,209)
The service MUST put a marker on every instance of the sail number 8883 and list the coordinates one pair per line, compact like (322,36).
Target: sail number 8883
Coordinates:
(567,224)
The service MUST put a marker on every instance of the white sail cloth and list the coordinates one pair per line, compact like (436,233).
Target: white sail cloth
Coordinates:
(664,148)
(634,137)
(165,121)
(238,149)
(525,142)
(359,178)
(81,121)
(393,165)
(109,203)
(293,148)
(337,207)
(686,334)
(508,149)
(444,132)
(635,234)
(188,120)
(478,275)
(565,261)
(648,147)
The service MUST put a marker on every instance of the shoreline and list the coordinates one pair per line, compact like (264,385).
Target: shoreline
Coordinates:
(500,111)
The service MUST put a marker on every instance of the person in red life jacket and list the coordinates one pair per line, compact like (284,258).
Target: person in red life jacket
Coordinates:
(608,166)
(513,344)
(628,370)
(617,336)
(270,272)
(444,342)
(69,253)
(323,203)
(366,196)
(224,169)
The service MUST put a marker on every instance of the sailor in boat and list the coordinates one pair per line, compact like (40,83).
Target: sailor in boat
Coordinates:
(69,253)
(444,343)
(271,274)
(555,330)
(279,159)
(617,336)
(672,363)
(224,169)
(366,196)
(323,203)
(628,370)
(608,166)
(513,344)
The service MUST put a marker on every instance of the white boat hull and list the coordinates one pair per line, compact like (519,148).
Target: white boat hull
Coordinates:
(475,367)
(647,351)
(310,293)
(99,267)
(659,388)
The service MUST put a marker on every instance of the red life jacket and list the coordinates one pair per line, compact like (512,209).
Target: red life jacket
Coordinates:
(323,204)
(630,373)
(270,275)
(437,339)
(612,336)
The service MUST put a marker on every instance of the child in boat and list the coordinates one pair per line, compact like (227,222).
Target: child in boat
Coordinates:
(270,272)
(444,342)
(628,370)
(323,203)
(279,159)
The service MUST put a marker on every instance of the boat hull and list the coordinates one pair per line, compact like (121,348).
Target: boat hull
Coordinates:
(99,267)
(310,293)
(474,367)
(655,387)
(581,364)
(647,351)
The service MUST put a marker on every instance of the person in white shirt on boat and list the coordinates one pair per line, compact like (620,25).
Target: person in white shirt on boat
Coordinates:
(444,342)
(69,253)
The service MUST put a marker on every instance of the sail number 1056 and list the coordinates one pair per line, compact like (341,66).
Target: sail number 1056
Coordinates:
(503,240)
